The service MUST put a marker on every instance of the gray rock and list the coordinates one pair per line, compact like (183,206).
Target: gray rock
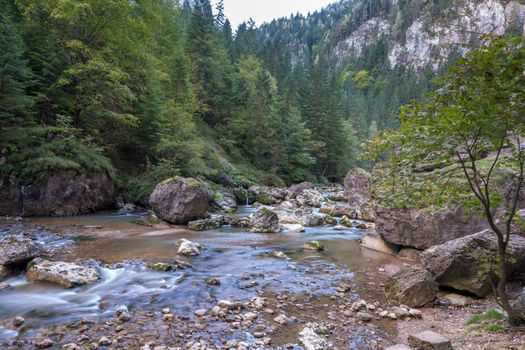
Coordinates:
(311,336)
(15,250)
(293,227)
(314,245)
(181,200)
(399,347)
(240,222)
(298,189)
(358,185)
(364,316)
(429,340)
(265,221)
(214,222)
(409,254)
(189,248)
(519,302)
(61,273)
(457,263)
(57,194)
(421,230)
(225,200)
(339,210)
(412,287)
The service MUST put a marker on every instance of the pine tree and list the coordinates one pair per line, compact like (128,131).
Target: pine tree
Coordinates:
(15,75)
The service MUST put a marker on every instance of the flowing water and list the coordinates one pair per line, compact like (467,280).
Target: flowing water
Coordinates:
(242,261)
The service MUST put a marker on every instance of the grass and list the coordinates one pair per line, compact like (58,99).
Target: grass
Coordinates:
(490,321)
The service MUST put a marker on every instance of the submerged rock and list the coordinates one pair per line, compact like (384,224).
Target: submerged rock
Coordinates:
(214,222)
(412,287)
(314,245)
(61,273)
(15,250)
(189,248)
(265,221)
(458,263)
(180,200)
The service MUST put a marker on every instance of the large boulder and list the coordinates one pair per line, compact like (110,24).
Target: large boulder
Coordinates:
(57,194)
(422,229)
(291,214)
(265,221)
(458,263)
(339,210)
(412,287)
(15,250)
(358,190)
(63,274)
(180,200)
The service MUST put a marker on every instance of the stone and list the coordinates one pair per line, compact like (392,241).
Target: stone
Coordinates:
(457,300)
(63,274)
(265,221)
(400,311)
(180,200)
(297,189)
(358,190)
(293,227)
(372,240)
(415,313)
(104,341)
(45,344)
(412,287)
(519,302)
(345,221)
(421,229)
(312,337)
(168,318)
(214,222)
(330,220)
(338,210)
(429,340)
(250,316)
(279,255)
(310,198)
(15,250)
(61,193)
(364,316)
(124,316)
(409,254)
(456,264)
(213,281)
(399,347)
(241,222)
(269,195)
(18,321)
(200,312)
(281,319)
(189,248)
(314,245)
(225,200)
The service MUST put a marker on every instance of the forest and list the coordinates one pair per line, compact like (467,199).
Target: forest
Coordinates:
(150,89)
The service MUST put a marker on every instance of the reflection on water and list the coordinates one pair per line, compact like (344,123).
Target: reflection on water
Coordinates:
(241,260)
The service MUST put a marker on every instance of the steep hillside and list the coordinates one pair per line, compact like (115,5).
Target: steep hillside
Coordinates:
(385,52)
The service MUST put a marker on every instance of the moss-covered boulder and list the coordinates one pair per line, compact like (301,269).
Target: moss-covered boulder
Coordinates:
(180,200)
(214,222)
(314,245)
(265,221)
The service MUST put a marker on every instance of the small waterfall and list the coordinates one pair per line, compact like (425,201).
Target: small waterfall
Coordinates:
(247,200)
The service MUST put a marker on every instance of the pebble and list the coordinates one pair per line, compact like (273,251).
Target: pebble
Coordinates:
(281,319)
(166,310)
(364,316)
(250,316)
(44,344)
(415,313)
(124,316)
(168,318)
(18,321)
(104,341)
(200,312)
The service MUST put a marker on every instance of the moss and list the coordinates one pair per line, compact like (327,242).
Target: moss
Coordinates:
(264,199)
(314,245)
(160,267)
(489,321)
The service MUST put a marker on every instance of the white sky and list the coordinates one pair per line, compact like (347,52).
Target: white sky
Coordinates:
(262,11)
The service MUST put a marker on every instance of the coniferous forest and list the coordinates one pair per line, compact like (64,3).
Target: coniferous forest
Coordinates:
(152,89)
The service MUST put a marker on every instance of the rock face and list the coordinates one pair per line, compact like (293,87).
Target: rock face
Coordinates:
(15,250)
(358,190)
(63,274)
(420,229)
(457,263)
(412,287)
(59,194)
(181,200)
(265,221)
